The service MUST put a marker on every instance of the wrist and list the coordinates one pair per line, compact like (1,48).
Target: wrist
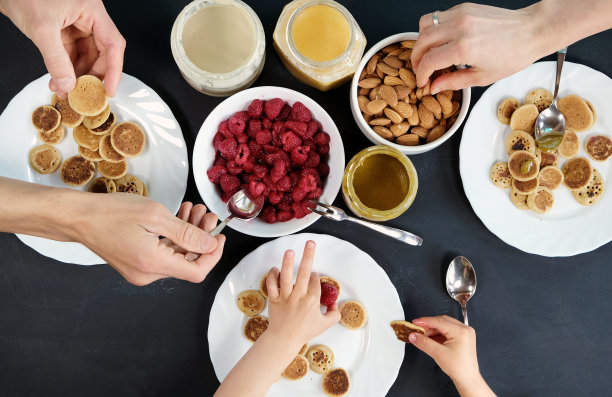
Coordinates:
(289,341)
(68,212)
(472,386)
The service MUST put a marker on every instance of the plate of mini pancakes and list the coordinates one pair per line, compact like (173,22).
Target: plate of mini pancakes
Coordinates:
(129,143)
(550,204)
(368,358)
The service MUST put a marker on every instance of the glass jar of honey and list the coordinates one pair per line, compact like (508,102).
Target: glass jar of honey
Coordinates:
(319,42)
(380,183)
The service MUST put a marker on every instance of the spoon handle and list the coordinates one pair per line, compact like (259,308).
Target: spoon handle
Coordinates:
(560,58)
(464,311)
(221,225)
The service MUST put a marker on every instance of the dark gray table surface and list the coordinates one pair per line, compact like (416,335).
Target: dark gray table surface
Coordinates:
(543,324)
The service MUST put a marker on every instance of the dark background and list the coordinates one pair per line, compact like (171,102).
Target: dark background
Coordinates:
(543,324)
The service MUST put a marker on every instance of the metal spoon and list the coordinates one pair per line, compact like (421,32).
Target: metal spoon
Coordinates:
(550,124)
(461,282)
(240,206)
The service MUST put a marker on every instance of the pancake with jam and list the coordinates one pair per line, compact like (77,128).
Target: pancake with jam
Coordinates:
(92,122)
(523,165)
(106,127)
(525,187)
(52,137)
(69,117)
(403,329)
(128,139)
(103,185)
(541,201)
(251,302)
(107,152)
(520,140)
(577,173)
(598,147)
(592,192)
(500,175)
(336,383)
(570,145)
(506,108)
(77,171)
(550,177)
(577,113)
(112,170)
(524,118)
(46,118)
(88,96)
(84,138)
(320,358)
(254,327)
(297,369)
(45,159)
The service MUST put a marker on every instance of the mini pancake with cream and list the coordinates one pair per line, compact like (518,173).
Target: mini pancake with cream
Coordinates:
(523,165)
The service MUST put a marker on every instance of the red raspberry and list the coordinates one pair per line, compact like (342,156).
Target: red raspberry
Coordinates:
(260,170)
(329,294)
(219,160)
(284,184)
(235,126)
(248,166)
(242,138)
(234,168)
(323,150)
(298,194)
(300,113)
(217,140)
(323,169)
(310,143)
(268,182)
(321,139)
(256,149)
(285,112)
(297,127)
(313,160)
(313,128)
(273,108)
(256,189)
(299,155)
(242,116)
(224,130)
(279,155)
(295,178)
(290,140)
(278,171)
(311,171)
(271,149)
(255,109)
(225,196)
(278,127)
(275,197)
(263,137)
(243,154)
(299,209)
(307,183)
(284,215)
(215,172)
(285,203)
(266,124)
(253,126)
(228,148)
(266,192)
(229,183)
(315,194)
(268,215)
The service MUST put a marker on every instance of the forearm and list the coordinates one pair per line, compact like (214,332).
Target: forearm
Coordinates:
(259,368)
(476,387)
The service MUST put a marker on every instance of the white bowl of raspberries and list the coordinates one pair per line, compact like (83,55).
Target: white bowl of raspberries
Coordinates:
(278,145)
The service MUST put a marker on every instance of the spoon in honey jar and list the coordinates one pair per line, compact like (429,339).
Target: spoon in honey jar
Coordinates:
(550,124)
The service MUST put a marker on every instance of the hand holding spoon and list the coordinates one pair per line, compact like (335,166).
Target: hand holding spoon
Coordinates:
(461,282)
(550,124)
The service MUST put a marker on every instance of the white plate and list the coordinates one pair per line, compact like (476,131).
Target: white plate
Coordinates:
(163,165)
(204,155)
(569,228)
(372,355)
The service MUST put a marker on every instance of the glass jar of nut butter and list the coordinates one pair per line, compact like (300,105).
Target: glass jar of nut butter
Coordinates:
(380,183)
(319,42)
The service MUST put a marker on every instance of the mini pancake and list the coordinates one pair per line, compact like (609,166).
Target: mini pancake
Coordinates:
(320,358)
(46,118)
(251,302)
(598,147)
(103,185)
(107,152)
(570,145)
(92,122)
(404,328)
(88,96)
(326,279)
(106,126)
(525,187)
(112,170)
(128,139)
(523,165)
(577,173)
(592,108)
(70,118)
(52,137)
(297,369)
(500,176)
(506,108)
(92,155)
(524,118)
(145,190)
(520,140)
(540,97)
(77,171)
(263,288)
(45,159)
(541,201)
(336,383)
(548,158)
(578,115)
(304,349)
(84,138)
(550,177)
(519,200)
(592,192)
(352,314)
(254,327)
(130,184)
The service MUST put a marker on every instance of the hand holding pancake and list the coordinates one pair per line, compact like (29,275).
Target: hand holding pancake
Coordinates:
(75,37)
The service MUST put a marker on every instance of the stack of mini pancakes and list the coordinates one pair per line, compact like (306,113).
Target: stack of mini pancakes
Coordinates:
(101,141)
(532,174)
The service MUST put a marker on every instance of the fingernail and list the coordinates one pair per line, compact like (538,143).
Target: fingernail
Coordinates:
(435,91)
(65,84)
(290,254)
(418,322)
(191,256)
(412,337)
(310,244)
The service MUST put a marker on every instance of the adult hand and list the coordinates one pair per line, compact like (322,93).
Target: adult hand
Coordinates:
(75,37)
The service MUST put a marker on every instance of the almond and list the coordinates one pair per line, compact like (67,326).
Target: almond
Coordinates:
(413,119)
(369,83)
(392,80)
(391,48)
(363,74)
(447,93)
(367,117)
(376,106)
(408,44)
(362,101)
(420,131)
(408,78)
(400,129)
(374,93)
(407,140)
(435,133)
(456,108)
(445,104)
(371,67)
(388,94)
(380,121)
(412,98)
(426,117)
(393,61)
(393,116)
(403,109)
(383,132)
(433,105)
(402,91)
(405,55)
(380,73)
(363,91)
(386,69)
(457,95)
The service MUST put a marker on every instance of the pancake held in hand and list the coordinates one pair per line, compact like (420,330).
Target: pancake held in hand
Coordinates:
(540,97)
(70,118)
(106,126)
(88,96)
(336,383)
(592,192)
(404,328)
(254,327)
(77,171)
(320,358)
(547,158)
(84,138)
(577,173)
(520,140)
(519,200)
(500,175)
(130,184)
(297,369)
(524,118)
(263,288)
(52,137)
(570,145)
(128,139)
(92,155)
(578,115)
(304,349)
(112,170)
(107,152)
(525,187)
(45,159)
(506,108)
(103,185)
(46,118)
(352,314)
(523,166)
(550,177)
(598,147)
(251,302)
(541,201)
(92,122)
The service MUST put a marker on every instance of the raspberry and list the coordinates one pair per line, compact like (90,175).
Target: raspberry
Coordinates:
(284,183)
(256,149)
(242,138)
(243,154)
(234,168)
(248,166)
(310,143)
(313,127)
(253,127)
(242,116)
(255,109)
(225,196)
(273,107)
(219,160)
(284,215)
(228,148)
(298,194)
(285,203)
(279,155)
(299,209)
(229,183)
(263,137)
(278,171)
(299,155)
(260,170)
(275,197)
(321,139)
(256,189)
(290,140)
(266,192)
(268,182)
(295,178)
(235,125)
(266,124)
(268,215)
(217,140)
(315,194)
(307,183)
(329,294)
(313,160)
(297,127)
(300,113)
(278,127)
(323,150)
(285,112)
(215,172)
(311,171)
(323,169)
(271,149)
(224,130)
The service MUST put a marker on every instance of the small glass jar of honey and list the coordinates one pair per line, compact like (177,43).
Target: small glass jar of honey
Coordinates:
(380,183)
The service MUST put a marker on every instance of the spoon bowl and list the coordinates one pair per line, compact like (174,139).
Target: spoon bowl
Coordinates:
(550,124)
(461,282)
(239,206)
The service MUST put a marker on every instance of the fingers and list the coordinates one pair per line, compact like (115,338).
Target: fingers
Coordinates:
(197,213)
(444,325)
(456,80)
(184,210)
(112,46)
(303,277)
(185,235)
(437,58)
(49,42)
(286,276)
(314,285)
(175,265)
(429,38)
(209,222)
(426,345)
(272,284)
(332,316)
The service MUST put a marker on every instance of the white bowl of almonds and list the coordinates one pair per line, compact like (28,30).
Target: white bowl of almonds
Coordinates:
(391,110)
